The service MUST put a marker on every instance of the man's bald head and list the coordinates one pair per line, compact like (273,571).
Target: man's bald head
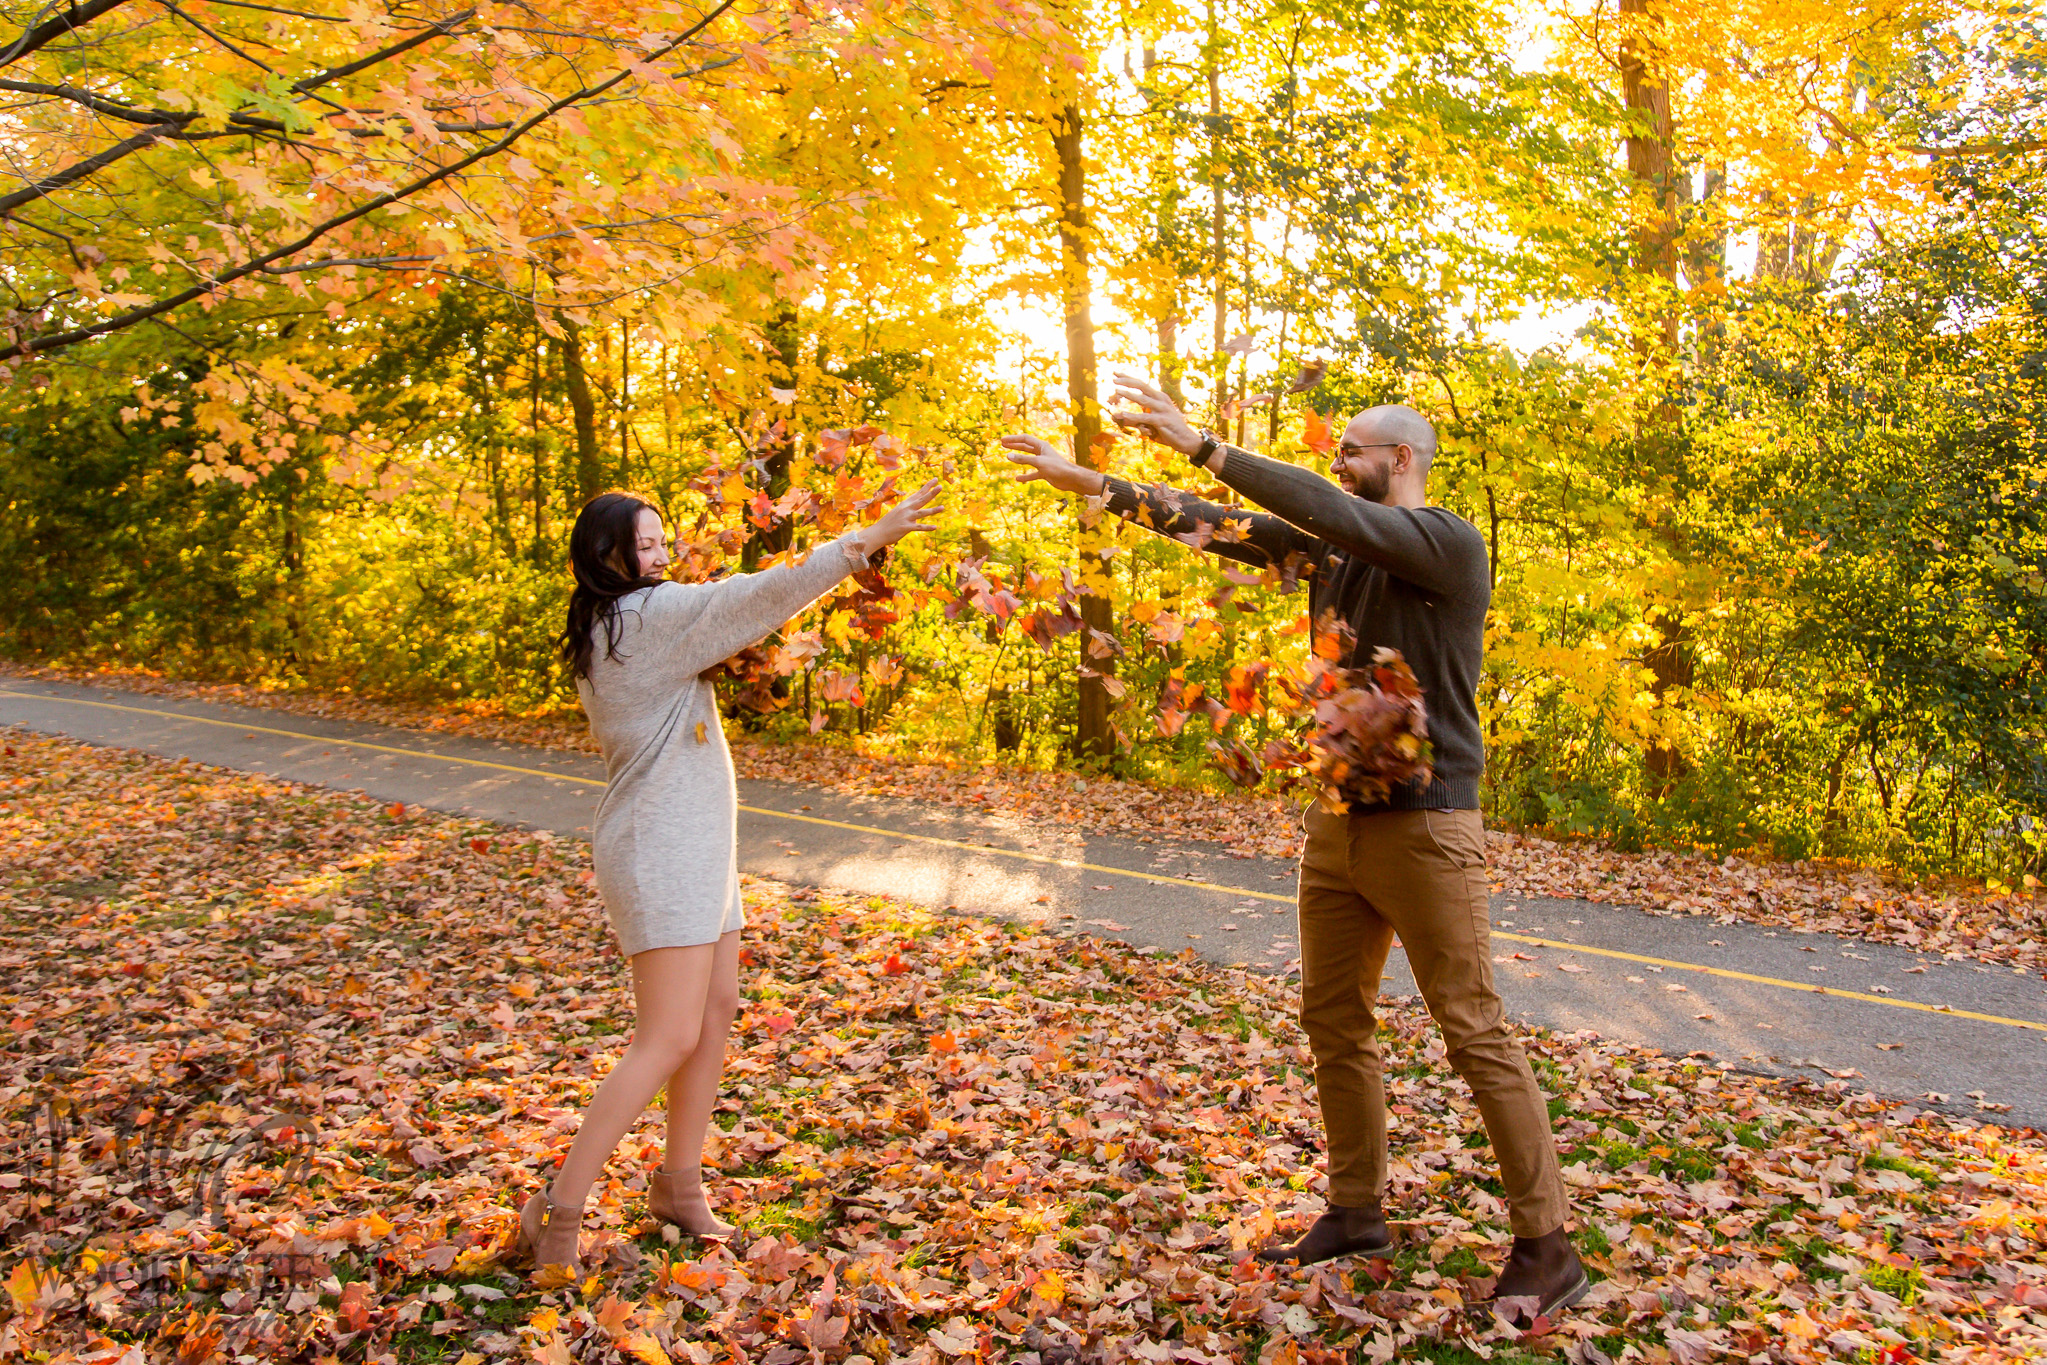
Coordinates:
(1395,424)
(1371,463)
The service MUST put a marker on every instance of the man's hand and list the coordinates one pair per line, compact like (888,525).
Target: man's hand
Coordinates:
(1156,417)
(1042,462)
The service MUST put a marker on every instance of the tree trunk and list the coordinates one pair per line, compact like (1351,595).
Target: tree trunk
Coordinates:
(589,459)
(1165,178)
(1650,133)
(625,402)
(1649,163)
(1096,736)
(539,451)
(493,453)
(1670,664)
(292,552)
(1211,56)
(1706,243)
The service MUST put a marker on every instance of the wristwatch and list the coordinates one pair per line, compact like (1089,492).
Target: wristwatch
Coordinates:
(1209,441)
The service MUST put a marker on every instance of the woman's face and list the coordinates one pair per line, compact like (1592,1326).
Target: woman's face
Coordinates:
(652,544)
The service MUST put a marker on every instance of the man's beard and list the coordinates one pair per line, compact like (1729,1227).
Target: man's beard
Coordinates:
(1374,484)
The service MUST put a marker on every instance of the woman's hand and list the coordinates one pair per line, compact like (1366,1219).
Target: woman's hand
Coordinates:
(1042,462)
(902,519)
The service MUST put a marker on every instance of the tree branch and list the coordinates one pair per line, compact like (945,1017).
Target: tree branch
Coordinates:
(99,104)
(28,194)
(74,16)
(172,7)
(57,340)
(440,28)
(1981,148)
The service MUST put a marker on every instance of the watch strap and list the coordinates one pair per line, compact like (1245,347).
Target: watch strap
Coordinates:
(1209,442)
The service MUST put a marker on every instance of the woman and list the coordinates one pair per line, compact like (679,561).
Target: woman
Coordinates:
(666,830)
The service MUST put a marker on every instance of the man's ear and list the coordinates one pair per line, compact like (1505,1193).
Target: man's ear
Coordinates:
(1403,458)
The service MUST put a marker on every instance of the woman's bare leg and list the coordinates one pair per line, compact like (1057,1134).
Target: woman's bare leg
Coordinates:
(693,1094)
(670,987)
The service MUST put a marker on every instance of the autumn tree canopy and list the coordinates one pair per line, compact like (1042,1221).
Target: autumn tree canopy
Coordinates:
(317,322)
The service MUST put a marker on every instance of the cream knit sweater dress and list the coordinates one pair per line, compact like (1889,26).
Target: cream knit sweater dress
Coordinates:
(667,826)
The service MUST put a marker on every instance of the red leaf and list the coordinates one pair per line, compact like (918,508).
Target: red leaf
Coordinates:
(354,1311)
(1315,433)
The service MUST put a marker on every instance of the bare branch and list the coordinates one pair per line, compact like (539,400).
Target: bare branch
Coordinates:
(292,13)
(1982,148)
(167,4)
(99,104)
(437,29)
(438,125)
(57,26)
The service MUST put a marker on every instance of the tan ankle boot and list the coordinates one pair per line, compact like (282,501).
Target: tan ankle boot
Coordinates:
(550,1233)
(664,1201)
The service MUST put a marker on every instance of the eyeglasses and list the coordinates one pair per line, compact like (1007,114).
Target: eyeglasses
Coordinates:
(1344,452)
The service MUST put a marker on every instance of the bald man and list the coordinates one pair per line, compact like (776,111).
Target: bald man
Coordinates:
(1414,578)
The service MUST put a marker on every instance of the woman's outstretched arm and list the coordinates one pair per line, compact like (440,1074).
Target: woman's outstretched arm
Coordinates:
(699,625)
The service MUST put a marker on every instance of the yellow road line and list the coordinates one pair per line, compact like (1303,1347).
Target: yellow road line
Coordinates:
(1806,986)
(300,734)
(1068,863)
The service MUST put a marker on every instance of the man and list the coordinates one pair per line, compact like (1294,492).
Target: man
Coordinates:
(1414,578)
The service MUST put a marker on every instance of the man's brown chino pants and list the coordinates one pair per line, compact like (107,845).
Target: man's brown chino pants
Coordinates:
(1419,874)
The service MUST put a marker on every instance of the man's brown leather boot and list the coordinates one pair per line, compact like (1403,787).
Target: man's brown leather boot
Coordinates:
(1338,1232)
(1542,1278)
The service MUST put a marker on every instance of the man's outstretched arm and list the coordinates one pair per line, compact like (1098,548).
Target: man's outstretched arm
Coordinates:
(1259,539)
(1427,546)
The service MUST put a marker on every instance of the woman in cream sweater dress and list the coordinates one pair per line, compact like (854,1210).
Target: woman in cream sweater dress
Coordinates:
(666,830)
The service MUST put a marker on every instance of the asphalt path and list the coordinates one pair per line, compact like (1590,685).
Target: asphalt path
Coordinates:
(1946,1033)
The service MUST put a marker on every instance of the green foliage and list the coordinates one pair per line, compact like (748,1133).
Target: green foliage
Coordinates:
(114,553)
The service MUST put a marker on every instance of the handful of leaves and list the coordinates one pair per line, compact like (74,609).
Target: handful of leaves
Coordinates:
(1364,731)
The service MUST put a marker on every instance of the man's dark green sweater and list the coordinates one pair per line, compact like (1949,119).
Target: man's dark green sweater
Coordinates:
(1411,579)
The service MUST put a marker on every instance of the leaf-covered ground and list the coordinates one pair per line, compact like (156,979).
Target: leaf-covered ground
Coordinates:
(279,1063)
(2003,927)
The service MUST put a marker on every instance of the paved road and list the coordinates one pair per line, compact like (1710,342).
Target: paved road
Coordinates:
(1739,992)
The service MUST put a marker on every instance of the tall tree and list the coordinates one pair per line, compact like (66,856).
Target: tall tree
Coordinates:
(1095,735)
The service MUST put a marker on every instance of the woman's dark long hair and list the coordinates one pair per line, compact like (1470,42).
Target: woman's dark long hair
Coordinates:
(605,555)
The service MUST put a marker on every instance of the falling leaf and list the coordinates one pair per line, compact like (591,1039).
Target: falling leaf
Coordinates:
(1315,433)
(1311,374)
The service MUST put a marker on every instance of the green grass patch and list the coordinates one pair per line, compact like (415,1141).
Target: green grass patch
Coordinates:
(1901,1282)
(1691,1163)
(1877,1161)
(785,1216)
